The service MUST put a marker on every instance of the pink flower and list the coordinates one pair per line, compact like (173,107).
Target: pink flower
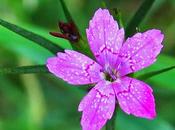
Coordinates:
(116,59)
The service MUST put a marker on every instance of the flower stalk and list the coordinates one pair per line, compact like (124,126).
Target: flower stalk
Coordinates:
(72,33)
(111,123)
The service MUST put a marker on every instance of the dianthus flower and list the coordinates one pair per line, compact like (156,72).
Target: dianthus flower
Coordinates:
(115,59)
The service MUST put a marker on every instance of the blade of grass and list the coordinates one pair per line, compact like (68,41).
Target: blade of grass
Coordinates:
(43,42)
(25,70)
(138,17)
(154,73)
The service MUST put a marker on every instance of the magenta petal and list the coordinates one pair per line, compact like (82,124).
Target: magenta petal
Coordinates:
(105,38)
(140,51)
(97,106)
(75,68)
(135,97)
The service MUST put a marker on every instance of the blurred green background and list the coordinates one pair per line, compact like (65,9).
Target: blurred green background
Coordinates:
(44,102)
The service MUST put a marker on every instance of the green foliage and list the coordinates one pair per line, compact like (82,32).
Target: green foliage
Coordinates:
(125,122)
(117,16)
(31,36)
(21,46)
(138,17)
(154,73)
(66,12)
(164,80)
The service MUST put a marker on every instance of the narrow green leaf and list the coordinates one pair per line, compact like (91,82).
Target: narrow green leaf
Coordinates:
(154,73)
(25,70)
(138,17)
(162,62)
(49,45)
(66,11)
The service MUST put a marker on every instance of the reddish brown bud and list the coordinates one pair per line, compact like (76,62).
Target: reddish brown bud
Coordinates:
(68,31)
(56,34)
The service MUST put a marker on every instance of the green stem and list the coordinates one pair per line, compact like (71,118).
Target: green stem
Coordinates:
(111,123)
(154,73)
(24,70)
(138,17)
(66,11)
(81,45)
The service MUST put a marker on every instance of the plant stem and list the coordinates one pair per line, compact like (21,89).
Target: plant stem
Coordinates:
(66,12)
(111,123)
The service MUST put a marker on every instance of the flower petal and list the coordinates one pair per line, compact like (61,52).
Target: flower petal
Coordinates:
(75,68)
(105,38)
(98,106)
(140,51)
(135,97)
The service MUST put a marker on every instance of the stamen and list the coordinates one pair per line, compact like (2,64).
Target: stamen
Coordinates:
(111,74)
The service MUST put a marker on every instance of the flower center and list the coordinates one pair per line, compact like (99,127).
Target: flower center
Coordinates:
(111,74)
